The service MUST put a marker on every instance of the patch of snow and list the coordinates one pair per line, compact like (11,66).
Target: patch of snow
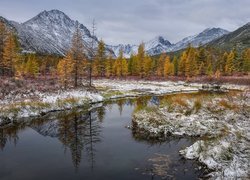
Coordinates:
(225,146)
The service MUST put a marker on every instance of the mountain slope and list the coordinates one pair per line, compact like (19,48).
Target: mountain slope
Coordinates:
(127,49)
(202,38)
(160,44)
(239,38)
(50,32)
(155,46)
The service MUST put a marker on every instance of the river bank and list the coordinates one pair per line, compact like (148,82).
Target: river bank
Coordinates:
(219,122)
(17,104)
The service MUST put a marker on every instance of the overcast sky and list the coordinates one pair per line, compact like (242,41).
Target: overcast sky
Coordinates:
(134,21)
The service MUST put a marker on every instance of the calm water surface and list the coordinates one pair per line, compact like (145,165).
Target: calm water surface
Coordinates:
(94,144)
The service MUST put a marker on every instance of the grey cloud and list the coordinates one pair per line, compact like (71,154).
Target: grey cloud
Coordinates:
(133,21)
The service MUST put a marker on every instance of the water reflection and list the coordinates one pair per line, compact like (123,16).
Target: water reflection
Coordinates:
(3,139)
(78,130)
(9,135)
(98,139)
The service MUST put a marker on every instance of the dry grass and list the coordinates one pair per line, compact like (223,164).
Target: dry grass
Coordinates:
(15,108)
(180,101)
(228,105)
(197,105)
(64,103)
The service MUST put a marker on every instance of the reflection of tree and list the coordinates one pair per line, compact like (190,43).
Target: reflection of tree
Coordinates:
(79,132)
(3,139)
(63,130)
(101,113)
(71,132)
(131,102)
(76,143)
(9,134)
(108,106)
(120,104)
(93,136)
(141,102)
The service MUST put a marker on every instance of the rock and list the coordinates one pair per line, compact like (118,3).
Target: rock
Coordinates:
(128,127)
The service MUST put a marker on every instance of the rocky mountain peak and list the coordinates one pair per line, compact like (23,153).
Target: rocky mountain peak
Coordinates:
(163,41)
(213,32)
(50,32)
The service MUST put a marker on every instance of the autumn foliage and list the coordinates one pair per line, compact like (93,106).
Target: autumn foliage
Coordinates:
(71,69)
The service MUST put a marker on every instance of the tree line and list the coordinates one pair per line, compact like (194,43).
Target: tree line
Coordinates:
(78,64)
(190,63)
(14,63)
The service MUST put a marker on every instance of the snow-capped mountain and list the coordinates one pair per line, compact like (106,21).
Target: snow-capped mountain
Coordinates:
(155,46)
(160,44)
(127,49)
(202,38)
(50,32)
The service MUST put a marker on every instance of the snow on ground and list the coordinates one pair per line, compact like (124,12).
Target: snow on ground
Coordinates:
(54,97)
(44,103)
(223,128)
(158,87)
(225,132)
(152,87)
(35,103)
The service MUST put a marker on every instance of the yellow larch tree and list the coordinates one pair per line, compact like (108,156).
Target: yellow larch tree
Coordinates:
(78,50)
(3,36)
(229,68)
(100,59)
(160,65)
(109,66)
(31,67)
(141,59)
(124,67)
(168,67)
(246,60)
(10,55)
(191,68)
(64,69)
(148,65)
(182,64)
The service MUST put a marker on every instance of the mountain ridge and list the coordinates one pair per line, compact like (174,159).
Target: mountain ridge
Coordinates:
(50,32)
(160,44)
(240,39)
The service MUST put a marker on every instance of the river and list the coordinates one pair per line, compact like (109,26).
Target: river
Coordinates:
(91,144)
